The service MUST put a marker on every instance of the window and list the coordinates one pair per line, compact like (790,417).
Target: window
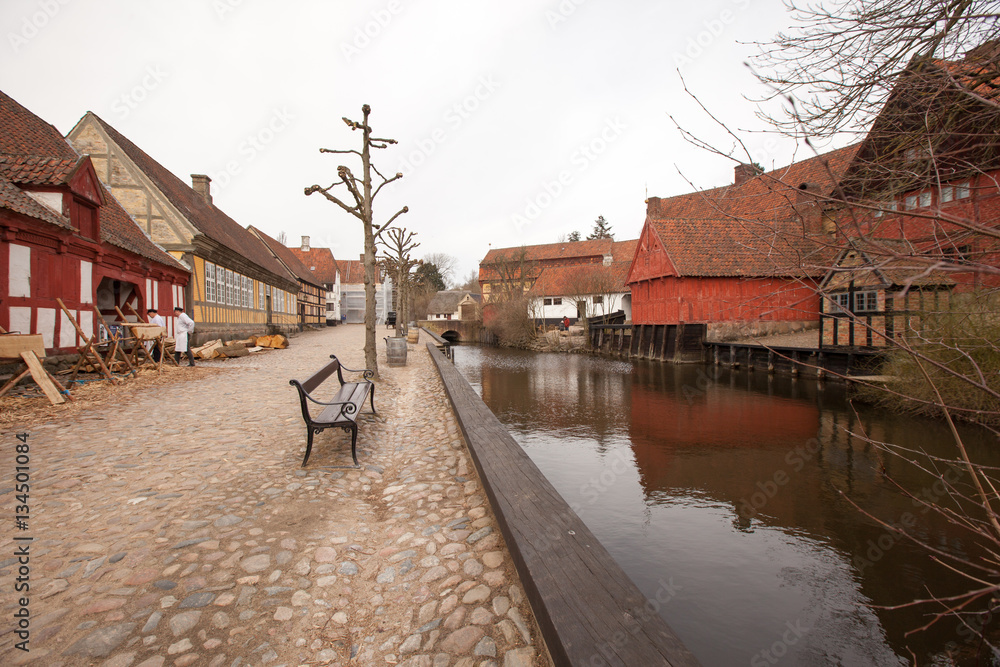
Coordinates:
(246,292)
(260,296)
(556,301)
(947,194)
(598,300)
(841,302)
(962,190)
(887,206)
(546,302)
(865,302)
(925,198)
(209,282)
(909,202)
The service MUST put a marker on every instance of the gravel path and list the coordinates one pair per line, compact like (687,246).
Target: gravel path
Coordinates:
(178,528)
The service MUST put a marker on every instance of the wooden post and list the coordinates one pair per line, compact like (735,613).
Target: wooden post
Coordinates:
(100,362)
(117,348)
(13,381)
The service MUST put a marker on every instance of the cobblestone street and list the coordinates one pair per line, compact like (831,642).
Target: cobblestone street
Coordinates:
(179,528)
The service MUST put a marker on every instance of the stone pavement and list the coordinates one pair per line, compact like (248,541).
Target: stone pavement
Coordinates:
(180,529)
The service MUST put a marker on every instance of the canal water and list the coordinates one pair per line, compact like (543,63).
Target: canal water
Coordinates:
(734,496)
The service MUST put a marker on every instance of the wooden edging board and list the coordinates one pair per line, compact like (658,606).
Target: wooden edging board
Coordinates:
(589,611)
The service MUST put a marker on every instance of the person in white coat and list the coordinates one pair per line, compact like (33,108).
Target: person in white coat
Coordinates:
(185,325)
(157,319)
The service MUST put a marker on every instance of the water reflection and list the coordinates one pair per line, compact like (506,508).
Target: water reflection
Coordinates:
(737,489)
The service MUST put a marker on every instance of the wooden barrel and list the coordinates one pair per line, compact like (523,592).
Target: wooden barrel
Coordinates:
(413,335)
(395,349)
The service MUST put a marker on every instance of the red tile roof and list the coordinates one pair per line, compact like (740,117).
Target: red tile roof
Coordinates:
(38,170)
(320,261)
(555,251)
(34,153)
(287,257)
(352,272)
(119,229)
(14,199)
(755,228)
(24,133)
(206,217)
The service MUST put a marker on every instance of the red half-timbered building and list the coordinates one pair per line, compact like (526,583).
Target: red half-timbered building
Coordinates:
(63,236)
(739,259)
(923,205)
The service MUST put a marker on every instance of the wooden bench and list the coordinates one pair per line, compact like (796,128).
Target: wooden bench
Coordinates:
(341,410)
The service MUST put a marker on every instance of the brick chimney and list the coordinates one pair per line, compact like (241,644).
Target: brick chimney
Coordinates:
(305,244)
(744,172)
(202,185)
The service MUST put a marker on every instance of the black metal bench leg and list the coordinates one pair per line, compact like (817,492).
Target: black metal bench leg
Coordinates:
(371,398)
(354,443)
(309,444)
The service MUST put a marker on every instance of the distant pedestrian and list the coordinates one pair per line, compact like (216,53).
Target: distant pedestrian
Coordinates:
(566,323)
(157,319)
(185,325)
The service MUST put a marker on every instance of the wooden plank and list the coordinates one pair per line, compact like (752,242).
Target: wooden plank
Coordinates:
(12,345)
(13,381)
(41,378)
(588,610)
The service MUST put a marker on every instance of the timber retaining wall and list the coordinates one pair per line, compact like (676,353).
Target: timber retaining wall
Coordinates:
(588,610)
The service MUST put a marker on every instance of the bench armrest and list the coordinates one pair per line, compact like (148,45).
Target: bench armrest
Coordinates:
(348,409)
(368,374)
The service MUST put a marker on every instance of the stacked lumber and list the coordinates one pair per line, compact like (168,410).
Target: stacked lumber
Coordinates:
(208,350)
(277,342)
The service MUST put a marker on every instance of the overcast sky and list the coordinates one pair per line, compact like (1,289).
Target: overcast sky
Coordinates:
(517,121)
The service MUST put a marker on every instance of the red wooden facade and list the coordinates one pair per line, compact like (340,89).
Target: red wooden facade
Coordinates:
(738,254)
(62,236)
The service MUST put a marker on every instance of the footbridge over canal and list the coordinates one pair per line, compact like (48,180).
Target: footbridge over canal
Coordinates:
(454,331)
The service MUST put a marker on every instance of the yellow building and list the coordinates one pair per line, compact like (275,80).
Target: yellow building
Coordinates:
(312,295)
(237,286)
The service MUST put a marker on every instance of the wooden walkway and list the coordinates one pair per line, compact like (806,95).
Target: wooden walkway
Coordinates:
(588,610)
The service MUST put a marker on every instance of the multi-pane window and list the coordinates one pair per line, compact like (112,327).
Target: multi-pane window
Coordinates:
(865,302)
(229,287)
(925,198)
(962,190)
(209,282)
(841,302)
(260,296)
(598,300)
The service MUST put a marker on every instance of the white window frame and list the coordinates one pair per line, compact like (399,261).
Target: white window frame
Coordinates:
(866,302)
(209,282)
(925,198)
(840,302)
(947,194)
(963,190)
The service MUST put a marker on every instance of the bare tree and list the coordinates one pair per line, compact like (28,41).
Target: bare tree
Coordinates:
(445,264)
(397,262)
(507,308)
(363,196)
(916,215)
(838,65)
